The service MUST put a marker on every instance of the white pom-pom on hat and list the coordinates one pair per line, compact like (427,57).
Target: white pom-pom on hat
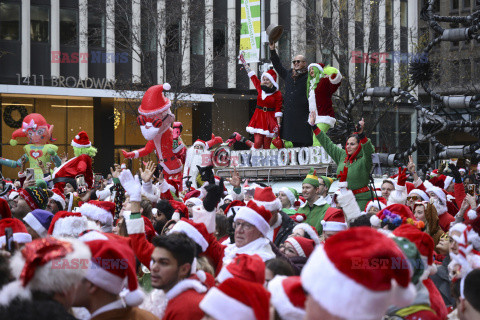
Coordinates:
(299,218)
(472,214)
(166,86)
(77,137)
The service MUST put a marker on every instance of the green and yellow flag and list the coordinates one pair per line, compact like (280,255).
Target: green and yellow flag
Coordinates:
(250,30)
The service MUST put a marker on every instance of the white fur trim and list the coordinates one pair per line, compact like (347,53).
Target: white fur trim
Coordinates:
(136,154)
(298,248)
(459,227)
(375,221)
(58,198)
(281,301)
(271,206)
(375,203)
(223,275)
(176,216)
(195,201)
(447,182)
(134,298)
(185,285)
(92,235)
(269,76)
(399,195)
(349,205)
(215,298)
(18,237)
(472,214)
(135,226)
(251,216)
(327,120)
(77,145)
(315,65)
(421,193)
(12,291)
(180,147)
(70,226)
(328,288)
(333,226)
(233,210)
(191,232)
(251,73)
(104,279)
(260,131)
(96,213)
(342,184)
(309,230)
(438,192)
(162,109)
(337,79)
(35,225)
(289,195)
(279,114)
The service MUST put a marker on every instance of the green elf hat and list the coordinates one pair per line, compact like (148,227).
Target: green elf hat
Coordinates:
(328,181)
(312,178)
(291,193)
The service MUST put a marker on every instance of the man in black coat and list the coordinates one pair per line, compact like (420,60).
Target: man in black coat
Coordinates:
(295,127)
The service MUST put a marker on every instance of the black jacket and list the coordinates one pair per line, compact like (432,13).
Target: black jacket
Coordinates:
(442,282)
(295,127)
(285,229)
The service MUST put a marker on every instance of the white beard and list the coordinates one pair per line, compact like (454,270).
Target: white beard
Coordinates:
(150,133)
(441,208)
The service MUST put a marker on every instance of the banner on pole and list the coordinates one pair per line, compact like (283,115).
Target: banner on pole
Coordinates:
(250,30)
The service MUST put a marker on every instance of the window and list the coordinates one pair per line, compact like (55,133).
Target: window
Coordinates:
(454,4)
(9,21)
(466,4)
(219,40)
(96,30)
(68,27)
(173,38)
(466,71)
(198,39)
(403,14)
(359,10)
(327,9)
(39,23)
(388,12)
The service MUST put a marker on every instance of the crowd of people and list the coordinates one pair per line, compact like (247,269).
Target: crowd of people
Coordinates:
(147,246)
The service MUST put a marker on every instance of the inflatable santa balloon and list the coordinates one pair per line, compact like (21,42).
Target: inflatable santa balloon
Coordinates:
(39,133)
(155,121)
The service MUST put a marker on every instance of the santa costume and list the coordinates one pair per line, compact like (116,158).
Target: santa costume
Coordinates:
(155,120)
(82,164)
(264,125)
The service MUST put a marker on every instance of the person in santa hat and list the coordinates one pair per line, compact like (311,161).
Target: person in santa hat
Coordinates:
(333,222)
(297,250)
(37,223)
(288,197)
(237,299)
(20,233)
(178,146)
(111,269)
(155,120)
(287,297)
(68,224)
(375,205)
(102,212)
(47,269)
(347,268)
(57,201)
(306,231)
(244,266)
(81,164)
(265,122)
(439,200)
(28,199)
(322,83)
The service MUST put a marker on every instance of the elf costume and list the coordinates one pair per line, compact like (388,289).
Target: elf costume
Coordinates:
(264,123)
(39,132)
(320,89)
(316,212)
(359,164)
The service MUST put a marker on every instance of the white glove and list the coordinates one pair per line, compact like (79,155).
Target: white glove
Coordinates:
(131,185)
(312,103)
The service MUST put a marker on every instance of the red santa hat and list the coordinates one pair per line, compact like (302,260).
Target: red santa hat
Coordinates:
(310,230)
(214,141)
(192,194)
(288,297)
(244,266)
(81,140)
(59,197)
(303,246)
(272,76)
(402,210)
(347,268)
(4,209)
(380,203)
(233,207)
(20,233)
(67,224)
(438,192)
(195,231)
(113,268)
(266,198)
(101,211)
(334,220)
(48,265)
(256,215)
(422,240)
(194,201)
(421,193)
(446,183)
(154,101)
(298,217)
(245,300)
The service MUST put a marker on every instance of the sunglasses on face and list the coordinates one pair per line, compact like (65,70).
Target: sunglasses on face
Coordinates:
(142,120)
(296,61)
(413,198)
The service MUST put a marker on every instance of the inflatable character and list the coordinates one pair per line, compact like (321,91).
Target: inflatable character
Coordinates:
(155,121)
(39,133)
(178,146)
(81,164)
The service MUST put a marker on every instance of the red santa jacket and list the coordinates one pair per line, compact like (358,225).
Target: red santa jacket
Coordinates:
(273,100)
(75,166)
(326,87)
(184,299)
(436,300)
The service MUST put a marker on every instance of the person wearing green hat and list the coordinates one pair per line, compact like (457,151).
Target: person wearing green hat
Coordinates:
(315,205)
(288,197)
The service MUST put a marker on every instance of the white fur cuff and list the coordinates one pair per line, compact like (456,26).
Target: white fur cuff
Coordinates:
(135,226)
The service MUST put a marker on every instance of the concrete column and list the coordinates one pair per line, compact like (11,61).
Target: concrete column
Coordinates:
(381,42)
(110,46)
(161,40)
(335,26)
(351,43)
(208,43)
(413,31)
(366,37)
(396,42)
(136,42)
(232,45)
(26,38)
(185,42)
(83,38)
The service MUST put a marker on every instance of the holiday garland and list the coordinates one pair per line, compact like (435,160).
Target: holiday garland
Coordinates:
(7,116)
